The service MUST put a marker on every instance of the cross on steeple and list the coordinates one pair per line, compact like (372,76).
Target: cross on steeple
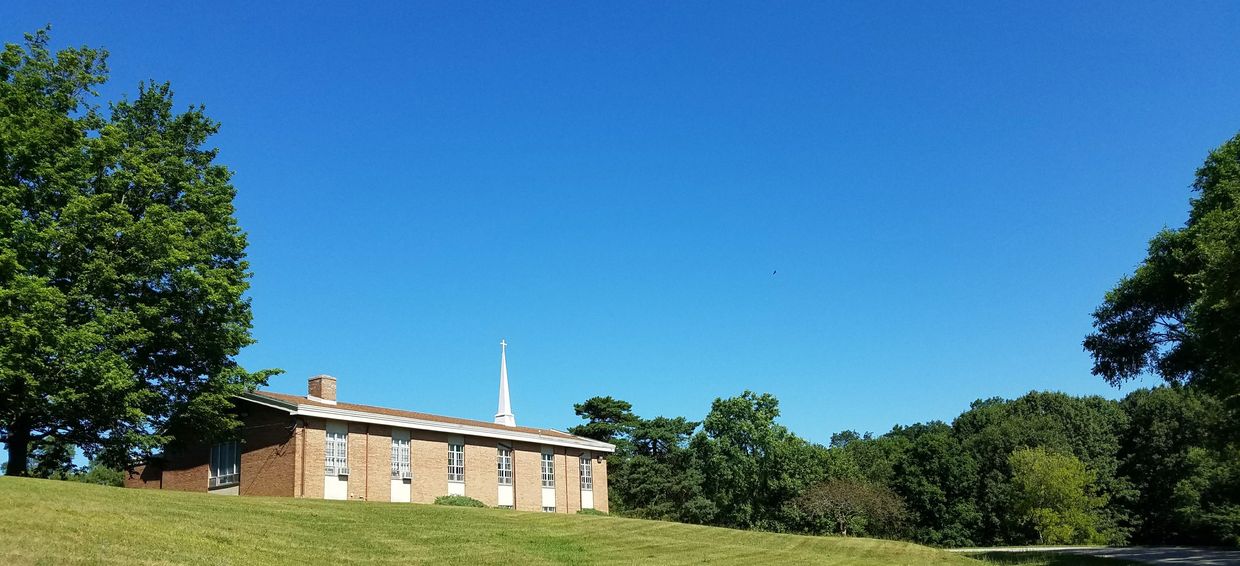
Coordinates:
(504,414)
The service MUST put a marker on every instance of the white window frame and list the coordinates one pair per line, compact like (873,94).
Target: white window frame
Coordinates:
(587,473)
(224,465)
(548,509)
(336,454)
(400,459)
(456,462)
(503,464)
(548,469)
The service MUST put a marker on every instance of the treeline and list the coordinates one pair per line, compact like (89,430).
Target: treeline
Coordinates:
(1154,468)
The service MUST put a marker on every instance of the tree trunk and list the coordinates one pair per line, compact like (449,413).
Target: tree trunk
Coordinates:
(18,446)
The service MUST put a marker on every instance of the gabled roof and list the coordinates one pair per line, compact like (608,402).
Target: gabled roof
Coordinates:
(299,405)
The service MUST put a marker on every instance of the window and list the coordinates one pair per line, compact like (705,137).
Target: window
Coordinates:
(503,461)
(400,458)
(587,472)
(548,509)
(548,470)
(456,462)
(225,465)
(336,459)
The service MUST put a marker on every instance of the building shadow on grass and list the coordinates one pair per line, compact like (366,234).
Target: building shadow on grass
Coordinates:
(1046,559)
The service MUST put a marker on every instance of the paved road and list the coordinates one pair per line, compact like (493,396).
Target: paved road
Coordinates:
(1176,555)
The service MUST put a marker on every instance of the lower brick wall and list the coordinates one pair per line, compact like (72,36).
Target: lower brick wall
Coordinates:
(527,476)
(185,468)
(481,477)
(428,452)
(315,442)
(561,480)
(572,473)
(379,463)
(268,453)
(144,476)
(600,484)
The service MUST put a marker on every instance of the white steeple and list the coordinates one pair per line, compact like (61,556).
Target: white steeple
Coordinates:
(504,415)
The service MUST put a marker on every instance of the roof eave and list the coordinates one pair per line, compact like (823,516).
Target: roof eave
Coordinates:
(338,413)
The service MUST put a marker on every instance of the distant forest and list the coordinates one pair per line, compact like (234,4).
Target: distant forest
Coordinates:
(1153,468)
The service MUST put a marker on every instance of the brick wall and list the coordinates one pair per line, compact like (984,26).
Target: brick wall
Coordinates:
(561,480)
(379,463)
(186,467)
(268,453)
(357,460)
(315,442)
(481,477)
(572,468)
(145,476)
(299,457)
(600,484)
(428,452)
(527,476)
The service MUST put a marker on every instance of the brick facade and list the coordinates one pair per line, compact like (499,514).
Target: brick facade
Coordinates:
(481,472)
(428,452)
(267,453)
(315,437)
(283,455)
(527,476)
(600,484)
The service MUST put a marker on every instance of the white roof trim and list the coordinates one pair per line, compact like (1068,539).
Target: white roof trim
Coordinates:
(436,426)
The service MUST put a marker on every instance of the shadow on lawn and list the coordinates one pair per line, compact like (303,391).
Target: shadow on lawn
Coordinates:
(1046,559)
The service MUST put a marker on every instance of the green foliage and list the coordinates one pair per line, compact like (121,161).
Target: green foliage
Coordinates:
(1088,428)
(458,501)
(607,419)
(122,268)
(938,479)
(595,512)
(99,474)
(1054,494)
(1045,467)
(1178,315)
(851,507)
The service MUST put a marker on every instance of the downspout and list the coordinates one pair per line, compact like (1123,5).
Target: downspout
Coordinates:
(366,472)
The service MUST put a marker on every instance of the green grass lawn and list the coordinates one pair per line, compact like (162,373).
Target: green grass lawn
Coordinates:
(51,522)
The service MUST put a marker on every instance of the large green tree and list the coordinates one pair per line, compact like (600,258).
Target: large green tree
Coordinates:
(1055,496)
(753,467)
(122,268)
(1178,315)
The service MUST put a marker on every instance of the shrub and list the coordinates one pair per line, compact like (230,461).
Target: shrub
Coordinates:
(458,501)
(99,474)
(591,512)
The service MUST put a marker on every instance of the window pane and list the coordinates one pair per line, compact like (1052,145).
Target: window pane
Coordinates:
(224,467)
(548,470)
(456,462)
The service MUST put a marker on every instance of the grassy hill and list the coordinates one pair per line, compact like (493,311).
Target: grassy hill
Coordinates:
(51,522)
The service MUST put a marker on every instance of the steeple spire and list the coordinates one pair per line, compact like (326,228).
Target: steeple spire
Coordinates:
(504,415)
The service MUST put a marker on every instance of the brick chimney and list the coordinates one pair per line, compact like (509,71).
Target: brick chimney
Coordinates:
(323,388)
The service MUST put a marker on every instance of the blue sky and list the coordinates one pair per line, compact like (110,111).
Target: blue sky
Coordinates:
(945,192)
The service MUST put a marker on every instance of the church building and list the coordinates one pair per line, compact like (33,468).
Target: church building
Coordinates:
(315,446)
